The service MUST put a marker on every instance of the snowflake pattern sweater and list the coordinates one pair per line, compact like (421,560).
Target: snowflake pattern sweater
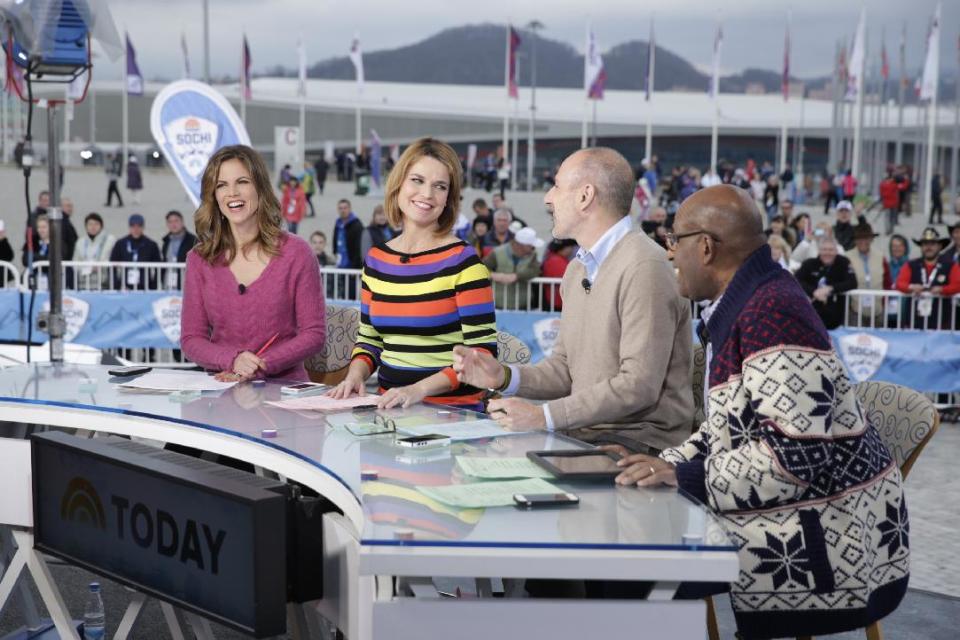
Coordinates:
(801,481)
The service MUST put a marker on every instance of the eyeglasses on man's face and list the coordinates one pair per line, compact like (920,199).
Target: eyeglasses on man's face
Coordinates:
(673,239)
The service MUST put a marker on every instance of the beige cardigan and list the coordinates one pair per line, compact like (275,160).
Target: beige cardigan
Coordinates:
(620,369)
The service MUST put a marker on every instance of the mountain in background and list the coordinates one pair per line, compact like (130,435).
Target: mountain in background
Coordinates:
(474,55)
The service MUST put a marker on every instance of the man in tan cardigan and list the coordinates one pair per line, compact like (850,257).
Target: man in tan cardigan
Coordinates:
(620,369)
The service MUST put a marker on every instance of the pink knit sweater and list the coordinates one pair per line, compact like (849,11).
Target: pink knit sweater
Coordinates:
(219,322)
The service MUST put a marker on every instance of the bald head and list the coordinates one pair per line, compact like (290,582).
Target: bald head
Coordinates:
(608,172)
(730,214)
(716,229)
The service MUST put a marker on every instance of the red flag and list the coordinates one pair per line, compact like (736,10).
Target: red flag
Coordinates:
(512,81)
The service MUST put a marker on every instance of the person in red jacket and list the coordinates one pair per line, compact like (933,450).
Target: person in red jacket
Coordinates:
(890,199)
(928,278)
(294,204)
(555,264)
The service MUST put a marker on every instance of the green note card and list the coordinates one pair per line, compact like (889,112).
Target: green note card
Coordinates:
(486,494)
(501,468)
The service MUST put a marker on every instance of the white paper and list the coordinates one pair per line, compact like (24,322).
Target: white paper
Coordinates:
(177,381)
(458,431)
(324,403)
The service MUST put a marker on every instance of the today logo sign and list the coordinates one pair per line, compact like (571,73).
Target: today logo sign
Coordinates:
(190,121)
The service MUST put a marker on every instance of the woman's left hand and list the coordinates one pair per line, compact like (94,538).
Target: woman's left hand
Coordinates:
(401,397)
(230,376)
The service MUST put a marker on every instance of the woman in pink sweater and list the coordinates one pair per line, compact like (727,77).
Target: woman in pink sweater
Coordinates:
(248,280)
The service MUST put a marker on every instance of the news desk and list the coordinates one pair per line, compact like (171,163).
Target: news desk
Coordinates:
(390,539)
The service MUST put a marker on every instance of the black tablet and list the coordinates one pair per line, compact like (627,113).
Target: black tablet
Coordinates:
(580,464)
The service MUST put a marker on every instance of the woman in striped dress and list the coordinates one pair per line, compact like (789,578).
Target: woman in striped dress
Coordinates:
(423,292)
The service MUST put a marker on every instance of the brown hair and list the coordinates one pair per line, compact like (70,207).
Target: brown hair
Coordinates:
(431,148)
(215,239)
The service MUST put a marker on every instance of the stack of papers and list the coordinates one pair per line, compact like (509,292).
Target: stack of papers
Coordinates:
(173,380)
(501,468)
(486,494)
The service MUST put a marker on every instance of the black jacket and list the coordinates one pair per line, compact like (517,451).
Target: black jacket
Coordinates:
(839,275)
(354,231)
(130,249)
(188,241)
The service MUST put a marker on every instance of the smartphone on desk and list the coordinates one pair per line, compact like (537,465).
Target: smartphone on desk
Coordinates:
(537,500)
(303,389)
(427,440)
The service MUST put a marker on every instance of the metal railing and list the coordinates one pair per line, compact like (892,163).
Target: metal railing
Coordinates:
(881,309)
(109,276)
(9,275)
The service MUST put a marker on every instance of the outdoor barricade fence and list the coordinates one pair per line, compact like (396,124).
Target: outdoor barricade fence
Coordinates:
(907,339)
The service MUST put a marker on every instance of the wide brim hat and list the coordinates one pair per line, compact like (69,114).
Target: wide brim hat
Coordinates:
(930,234)
(864,231)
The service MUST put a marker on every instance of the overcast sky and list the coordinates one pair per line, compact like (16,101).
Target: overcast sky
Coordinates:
(753,29)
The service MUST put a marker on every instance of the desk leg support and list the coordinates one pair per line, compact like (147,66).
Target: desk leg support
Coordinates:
(31,616)
(663,591)
(137,601)
(17,562)
(46,586)
(173,621)
(201,626)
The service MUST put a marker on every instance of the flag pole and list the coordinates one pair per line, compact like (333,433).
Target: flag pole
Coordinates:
(506,86)
(934,53)
(786,94)
(857,114)
(586,90)
(302,90)
(955,156)
(651,64)
(125,108)
(898,154)
(243,81)
(715,90)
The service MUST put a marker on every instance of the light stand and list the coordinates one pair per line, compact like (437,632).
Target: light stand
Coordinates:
(53,321)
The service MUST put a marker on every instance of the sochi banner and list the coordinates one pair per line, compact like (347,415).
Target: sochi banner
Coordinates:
(189,120)
(100,319)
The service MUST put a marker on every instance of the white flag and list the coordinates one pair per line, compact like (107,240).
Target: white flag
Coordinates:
(356,57)
(931,68)
(715,76)
(594,75)
(302,68)
(857,58)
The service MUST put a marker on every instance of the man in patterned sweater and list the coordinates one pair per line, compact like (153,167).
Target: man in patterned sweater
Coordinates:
(786,459)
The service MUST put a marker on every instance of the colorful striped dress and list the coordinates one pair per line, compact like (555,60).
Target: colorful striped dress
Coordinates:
(414,308)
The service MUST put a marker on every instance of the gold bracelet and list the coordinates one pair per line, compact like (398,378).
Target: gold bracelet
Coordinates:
(507,375)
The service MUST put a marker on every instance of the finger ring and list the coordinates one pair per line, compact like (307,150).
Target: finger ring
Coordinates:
(652,471)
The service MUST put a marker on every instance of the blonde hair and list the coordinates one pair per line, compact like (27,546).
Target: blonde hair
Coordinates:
(781,245)
(215,239)
(430,148)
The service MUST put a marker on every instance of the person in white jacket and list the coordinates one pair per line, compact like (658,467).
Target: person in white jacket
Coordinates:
(94,246)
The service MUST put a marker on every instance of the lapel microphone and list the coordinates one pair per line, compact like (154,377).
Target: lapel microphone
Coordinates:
(242,288)
(585,283)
